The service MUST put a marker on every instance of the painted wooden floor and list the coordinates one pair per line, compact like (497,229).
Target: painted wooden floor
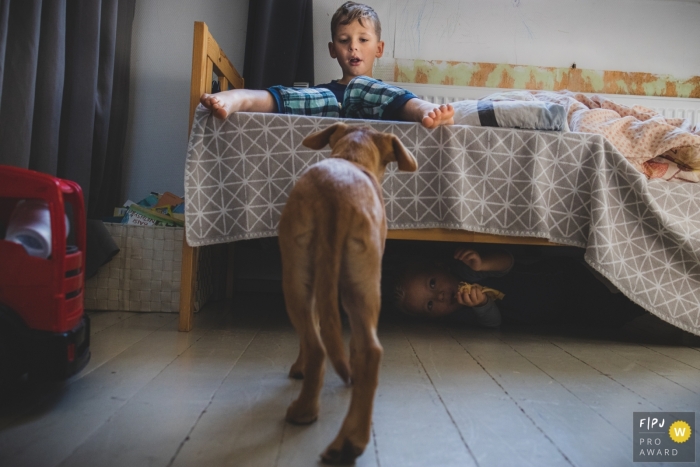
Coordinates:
(216,396)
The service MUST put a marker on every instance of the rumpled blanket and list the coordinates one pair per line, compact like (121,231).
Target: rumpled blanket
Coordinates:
(659,147)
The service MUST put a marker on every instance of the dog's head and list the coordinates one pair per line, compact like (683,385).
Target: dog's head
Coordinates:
(363,146)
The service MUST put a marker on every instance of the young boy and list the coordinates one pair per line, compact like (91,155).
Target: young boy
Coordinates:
(356,43)
(431,289)
(546,290)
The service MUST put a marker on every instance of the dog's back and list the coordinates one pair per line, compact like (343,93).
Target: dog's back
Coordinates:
(331,236)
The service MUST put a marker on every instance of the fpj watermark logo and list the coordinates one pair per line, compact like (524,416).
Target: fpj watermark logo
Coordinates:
(664,437)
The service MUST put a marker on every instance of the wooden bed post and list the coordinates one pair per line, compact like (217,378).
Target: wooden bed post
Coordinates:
(188,283)
(207,59)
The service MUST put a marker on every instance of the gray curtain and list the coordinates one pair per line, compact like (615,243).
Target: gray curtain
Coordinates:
(64,91)
(279,47)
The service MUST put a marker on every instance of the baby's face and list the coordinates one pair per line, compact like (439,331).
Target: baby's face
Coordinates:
(432,293)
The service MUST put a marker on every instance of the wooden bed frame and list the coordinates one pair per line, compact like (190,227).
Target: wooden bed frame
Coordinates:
(208,59)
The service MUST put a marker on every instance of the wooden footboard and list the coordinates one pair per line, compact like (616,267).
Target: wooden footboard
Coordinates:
(209,59)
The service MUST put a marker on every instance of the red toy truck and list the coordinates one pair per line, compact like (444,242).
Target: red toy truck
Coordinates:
(44,331)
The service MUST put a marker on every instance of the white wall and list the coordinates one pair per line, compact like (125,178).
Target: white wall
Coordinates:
(161,64)
(654,36)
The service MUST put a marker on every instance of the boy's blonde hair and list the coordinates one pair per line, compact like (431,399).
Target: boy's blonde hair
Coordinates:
(351,11)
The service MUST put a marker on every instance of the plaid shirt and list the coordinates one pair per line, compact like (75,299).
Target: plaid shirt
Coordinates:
(371,99)
(313,102)
(365,98)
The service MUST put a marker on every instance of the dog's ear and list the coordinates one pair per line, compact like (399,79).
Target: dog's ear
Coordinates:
(320,139)
(403,156)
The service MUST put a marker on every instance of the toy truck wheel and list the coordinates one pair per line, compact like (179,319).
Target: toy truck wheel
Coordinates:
(13,363)
(11,366)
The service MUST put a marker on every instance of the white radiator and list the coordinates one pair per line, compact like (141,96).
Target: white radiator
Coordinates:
(669,107)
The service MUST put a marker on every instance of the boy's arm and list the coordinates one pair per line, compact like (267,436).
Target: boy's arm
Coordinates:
(488,314)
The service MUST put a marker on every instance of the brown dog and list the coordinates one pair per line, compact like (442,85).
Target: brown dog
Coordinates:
(331,235)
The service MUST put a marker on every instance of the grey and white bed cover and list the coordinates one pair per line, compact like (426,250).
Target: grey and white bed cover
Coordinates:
(571,188)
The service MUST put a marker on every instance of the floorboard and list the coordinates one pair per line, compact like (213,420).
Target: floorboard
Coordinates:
(447,395)
(107,343)
(68,416)
(244,424)
(689,356)
(611,401)
(658,392)
(490,421)
(412,425)
(149,428)
(101,320)
(682,374)
(552,409)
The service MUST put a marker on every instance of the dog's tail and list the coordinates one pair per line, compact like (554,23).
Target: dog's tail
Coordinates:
(329,254)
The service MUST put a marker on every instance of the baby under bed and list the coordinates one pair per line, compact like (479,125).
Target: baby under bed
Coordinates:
(474,184)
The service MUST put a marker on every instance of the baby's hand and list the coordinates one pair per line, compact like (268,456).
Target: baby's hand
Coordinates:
(469,257)
(475,297)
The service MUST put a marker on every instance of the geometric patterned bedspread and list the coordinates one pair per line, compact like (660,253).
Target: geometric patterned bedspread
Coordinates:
(571,188)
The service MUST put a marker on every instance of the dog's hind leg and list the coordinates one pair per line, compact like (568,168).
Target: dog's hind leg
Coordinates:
(361,299)
(306,407)
(296,279)
(312,354)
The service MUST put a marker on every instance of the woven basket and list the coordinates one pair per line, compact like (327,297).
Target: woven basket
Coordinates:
(145,274)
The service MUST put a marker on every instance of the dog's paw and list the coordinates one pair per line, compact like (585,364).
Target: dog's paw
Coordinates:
(301,414)
(345,454)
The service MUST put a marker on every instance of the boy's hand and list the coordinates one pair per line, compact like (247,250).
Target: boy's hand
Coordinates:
(475,297)
(493,261)
(469,257)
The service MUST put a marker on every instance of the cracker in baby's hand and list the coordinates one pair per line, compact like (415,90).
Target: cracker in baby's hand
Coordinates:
(492,293)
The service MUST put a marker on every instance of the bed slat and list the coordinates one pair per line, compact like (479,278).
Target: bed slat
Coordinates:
(464,236)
